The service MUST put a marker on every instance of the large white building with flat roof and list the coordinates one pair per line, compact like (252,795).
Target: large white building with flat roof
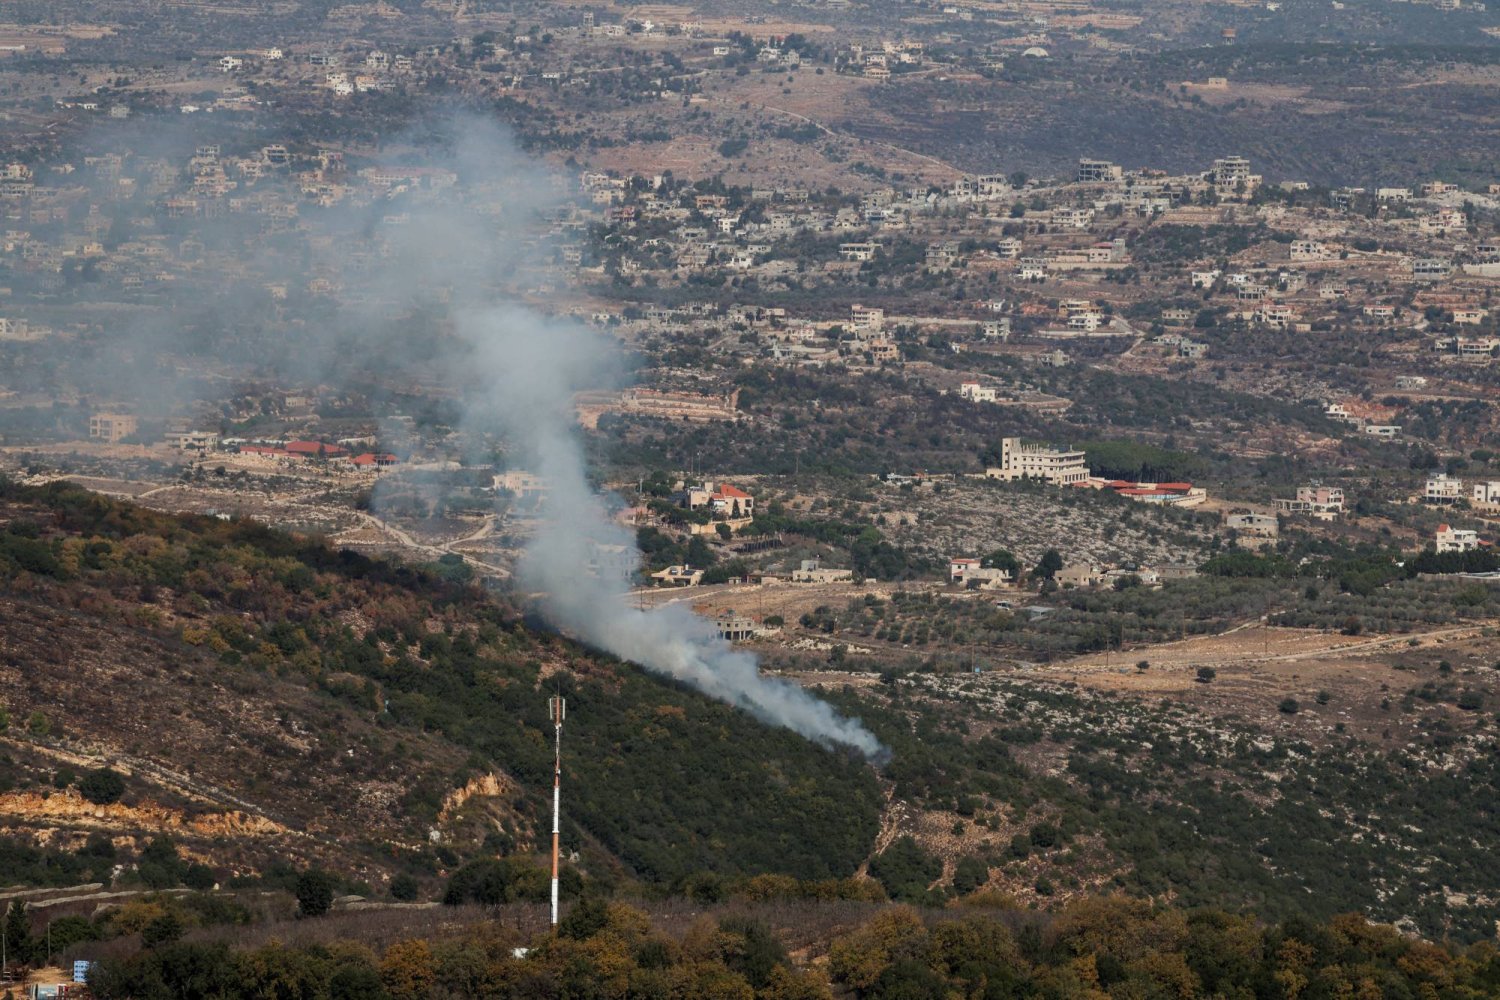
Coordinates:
(1058,466)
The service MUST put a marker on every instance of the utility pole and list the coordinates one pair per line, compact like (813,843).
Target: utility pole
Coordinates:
(557,708)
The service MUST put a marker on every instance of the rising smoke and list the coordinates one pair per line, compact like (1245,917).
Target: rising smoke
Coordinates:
(535,365)
(439,299)
(521,370)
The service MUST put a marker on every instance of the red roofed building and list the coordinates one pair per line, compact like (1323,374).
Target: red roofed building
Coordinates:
(958,569)
(1178,494)
(730,501)
(724,502)
(312,449)
(374,460)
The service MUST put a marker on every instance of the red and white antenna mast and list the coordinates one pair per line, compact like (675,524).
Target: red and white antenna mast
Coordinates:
(558,709)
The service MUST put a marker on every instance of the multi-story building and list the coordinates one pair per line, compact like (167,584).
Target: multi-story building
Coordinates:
(1486,493)
(1430,268)
(1322,502)
(1058,466)
(111,427)
(1099,172)
(1232,173)
(973,573)
(1442,488)
(1308,250)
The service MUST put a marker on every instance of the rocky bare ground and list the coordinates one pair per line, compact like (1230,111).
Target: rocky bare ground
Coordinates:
(974,517)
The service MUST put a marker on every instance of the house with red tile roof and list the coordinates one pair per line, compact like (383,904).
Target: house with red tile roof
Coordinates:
(731,502)
(374,460)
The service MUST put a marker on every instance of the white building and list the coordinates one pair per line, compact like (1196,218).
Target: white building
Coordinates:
(1486,492)
(1322,502)
(1442,488)
(1057,466)
(1455,540)
(972,572)
(974,392)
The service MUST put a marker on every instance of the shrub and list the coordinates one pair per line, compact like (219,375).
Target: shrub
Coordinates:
(1045,835)
(905,870)
(165,929)
(102,786)
(1289,706)
(199,877)
(404,888)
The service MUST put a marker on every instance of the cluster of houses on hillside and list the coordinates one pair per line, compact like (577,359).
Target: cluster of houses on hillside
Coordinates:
(972,574)
(1441,488)
(114,427)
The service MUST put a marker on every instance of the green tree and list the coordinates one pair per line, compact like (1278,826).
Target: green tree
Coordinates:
(1050,563)
(314,893)
(1002,559)
(159,865)
(17,932)
(905,870)
(165,929)
(584,919)
(751,949)
(699,555)
(970,874)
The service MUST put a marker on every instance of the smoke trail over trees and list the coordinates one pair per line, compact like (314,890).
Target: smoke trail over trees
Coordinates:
(534,365)
(519,371)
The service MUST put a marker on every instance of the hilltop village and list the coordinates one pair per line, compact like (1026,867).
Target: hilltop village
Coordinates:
(1094,410)
(1349,324)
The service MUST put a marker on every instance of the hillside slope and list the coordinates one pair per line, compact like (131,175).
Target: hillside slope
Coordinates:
(272,700)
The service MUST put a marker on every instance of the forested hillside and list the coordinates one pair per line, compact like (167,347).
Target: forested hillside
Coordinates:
(334,706)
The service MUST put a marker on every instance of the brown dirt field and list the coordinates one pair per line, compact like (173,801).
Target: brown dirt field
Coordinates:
(1257,646)
(1257,667)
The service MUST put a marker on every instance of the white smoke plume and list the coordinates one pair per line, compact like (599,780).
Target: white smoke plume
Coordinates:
(455,258)
(535,365)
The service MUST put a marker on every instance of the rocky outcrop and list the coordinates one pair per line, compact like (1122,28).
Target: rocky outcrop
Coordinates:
(71,810)
(491,786)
